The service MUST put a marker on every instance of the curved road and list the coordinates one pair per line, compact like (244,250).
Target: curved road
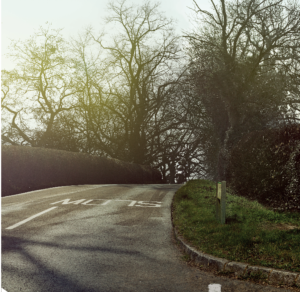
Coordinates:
(99,238)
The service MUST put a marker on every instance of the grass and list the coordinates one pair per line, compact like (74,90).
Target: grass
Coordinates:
(253,233)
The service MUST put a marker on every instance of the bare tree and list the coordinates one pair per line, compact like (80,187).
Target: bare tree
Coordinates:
(39,90)
(90,117)
(139,57)
(245,58)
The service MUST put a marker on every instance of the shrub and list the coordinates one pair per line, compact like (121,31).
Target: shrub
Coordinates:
(265,166)
(30,168)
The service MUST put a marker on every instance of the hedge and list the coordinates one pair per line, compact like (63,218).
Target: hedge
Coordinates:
(265,165)
(31,168)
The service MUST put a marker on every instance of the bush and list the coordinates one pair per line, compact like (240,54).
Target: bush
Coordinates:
(265,166)
(30,168)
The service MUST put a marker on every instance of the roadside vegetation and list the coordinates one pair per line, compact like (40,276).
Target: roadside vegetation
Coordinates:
(34,168)
(253,233)
(136,90)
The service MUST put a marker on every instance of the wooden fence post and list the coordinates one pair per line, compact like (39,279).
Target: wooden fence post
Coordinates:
(221,202)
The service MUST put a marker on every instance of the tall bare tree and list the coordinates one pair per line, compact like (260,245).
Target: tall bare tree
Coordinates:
(245,56)
(139,57)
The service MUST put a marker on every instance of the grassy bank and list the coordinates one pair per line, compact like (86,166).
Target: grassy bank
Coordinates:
(253,233)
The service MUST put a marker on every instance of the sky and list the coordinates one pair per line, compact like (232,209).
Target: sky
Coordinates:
(21,18)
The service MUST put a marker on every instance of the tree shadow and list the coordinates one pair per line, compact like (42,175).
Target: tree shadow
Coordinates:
(48,277)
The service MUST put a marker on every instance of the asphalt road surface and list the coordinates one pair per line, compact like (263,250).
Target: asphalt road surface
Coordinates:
(99,238)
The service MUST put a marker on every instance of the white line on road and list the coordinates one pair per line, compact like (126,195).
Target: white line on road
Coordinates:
(214,288)
(67,193)
(132,204)
(30,218)
(31,192)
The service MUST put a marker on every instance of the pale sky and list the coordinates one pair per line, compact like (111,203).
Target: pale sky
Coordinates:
(21,18)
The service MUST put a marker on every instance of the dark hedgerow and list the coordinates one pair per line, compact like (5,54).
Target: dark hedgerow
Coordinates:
(31,168)
(265,166)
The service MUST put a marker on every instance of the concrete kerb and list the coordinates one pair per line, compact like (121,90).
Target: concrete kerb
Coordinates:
(271,276)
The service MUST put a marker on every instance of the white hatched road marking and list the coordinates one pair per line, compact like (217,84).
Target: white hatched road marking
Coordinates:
(214,288)
(30,218)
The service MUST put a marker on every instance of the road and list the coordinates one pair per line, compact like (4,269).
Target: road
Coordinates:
(99,238)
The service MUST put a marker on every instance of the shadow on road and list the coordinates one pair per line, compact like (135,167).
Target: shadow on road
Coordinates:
(49,277)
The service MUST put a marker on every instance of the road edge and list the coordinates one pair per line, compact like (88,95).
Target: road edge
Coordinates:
(241,270)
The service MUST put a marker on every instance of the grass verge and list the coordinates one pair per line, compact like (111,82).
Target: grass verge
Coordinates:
(253,233)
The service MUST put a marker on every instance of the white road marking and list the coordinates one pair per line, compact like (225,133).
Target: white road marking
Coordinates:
(107,201)
(31,192)
(132,204)
(214,288)
(30,218)
(88,202)
(148,204)
(72,192)
(2,290)
(67,201)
